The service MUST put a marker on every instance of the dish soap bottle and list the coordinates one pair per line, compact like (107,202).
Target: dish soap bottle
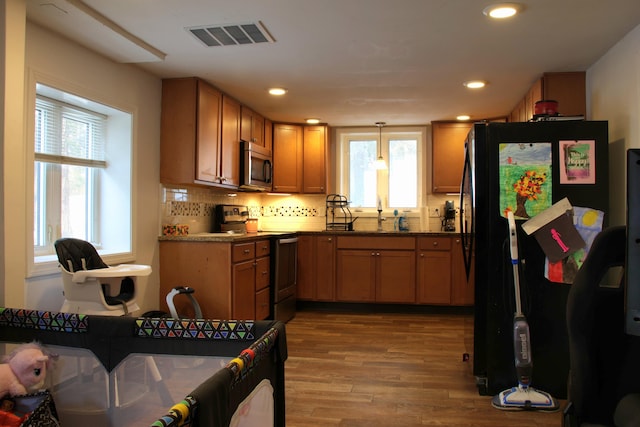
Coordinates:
(395,220)
(403,224)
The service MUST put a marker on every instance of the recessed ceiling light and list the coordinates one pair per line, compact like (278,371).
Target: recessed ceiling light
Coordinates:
(463,117)
(475,84)
(313,121)
(277,91)
(502,10)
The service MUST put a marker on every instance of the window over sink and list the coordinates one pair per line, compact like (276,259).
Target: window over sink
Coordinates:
(400,185)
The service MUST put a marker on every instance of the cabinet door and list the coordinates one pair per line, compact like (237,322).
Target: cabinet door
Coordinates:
(263,271)
(396,276)
(314,160)
(230,141)
(569,89)
(434,277)
(356,272)
(262,304)
(268,134)
(246,125)
(448,155)
(257,129)
(325,269)
(208,134)
(306,268)
(244,291)
(462,291)
(287,158)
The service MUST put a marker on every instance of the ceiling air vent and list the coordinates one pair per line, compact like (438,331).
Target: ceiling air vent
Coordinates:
(231,34)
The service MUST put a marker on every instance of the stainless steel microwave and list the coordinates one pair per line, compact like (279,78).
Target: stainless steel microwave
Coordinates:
(255,167)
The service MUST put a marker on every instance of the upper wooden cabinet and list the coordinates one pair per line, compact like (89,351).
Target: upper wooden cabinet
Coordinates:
(190,132)
(230,142)
(448,155)
(314,159)
(287,158)
(252,127)
(268,134)
(569,89)
(299,158)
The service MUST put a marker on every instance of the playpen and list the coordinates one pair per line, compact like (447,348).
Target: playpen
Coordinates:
(157,371)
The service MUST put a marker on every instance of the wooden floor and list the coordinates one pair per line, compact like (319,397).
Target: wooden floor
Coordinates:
(381,370)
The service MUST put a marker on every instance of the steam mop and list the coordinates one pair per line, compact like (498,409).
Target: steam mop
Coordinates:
(523,396)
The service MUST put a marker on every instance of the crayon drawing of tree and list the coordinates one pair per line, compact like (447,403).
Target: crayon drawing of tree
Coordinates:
(528,187)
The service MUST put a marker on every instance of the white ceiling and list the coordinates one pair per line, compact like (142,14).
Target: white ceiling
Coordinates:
(353,62)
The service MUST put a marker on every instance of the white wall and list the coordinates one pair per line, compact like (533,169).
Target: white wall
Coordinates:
(119,85)
(613,88)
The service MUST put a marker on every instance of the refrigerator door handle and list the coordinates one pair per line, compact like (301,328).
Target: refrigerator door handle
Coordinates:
(467,230)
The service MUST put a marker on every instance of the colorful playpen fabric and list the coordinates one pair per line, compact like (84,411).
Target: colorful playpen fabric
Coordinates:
(255,350)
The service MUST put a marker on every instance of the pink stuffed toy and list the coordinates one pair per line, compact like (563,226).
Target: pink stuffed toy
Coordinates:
(23,370)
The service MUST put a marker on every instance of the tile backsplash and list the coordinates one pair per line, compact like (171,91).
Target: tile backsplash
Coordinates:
(194,206)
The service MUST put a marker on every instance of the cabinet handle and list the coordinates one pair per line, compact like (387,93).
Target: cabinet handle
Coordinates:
(377,253)
(421,255)
(457,240)
(435,243)
(265,272)
(329,239)
(246,251)
(373,254)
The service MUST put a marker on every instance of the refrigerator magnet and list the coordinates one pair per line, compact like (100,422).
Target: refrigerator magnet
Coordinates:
(577,162)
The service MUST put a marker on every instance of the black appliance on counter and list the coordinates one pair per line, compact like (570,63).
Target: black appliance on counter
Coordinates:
(230,218)
(505,169)
(284,261)
(449,220)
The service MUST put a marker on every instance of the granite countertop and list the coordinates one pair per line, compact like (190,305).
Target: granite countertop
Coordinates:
(239,237)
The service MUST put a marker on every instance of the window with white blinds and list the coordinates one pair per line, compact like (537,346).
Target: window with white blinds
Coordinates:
(82,175)
(69,135)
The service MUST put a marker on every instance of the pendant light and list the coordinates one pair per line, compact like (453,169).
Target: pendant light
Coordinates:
(380,164)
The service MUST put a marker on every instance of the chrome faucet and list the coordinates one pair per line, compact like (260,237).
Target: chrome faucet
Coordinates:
(380,219)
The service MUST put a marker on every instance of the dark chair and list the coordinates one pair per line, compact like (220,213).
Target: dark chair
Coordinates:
(604,376)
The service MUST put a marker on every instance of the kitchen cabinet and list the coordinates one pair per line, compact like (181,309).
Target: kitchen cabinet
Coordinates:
(568,88)
(314,159)
(287,158)
(434,270)
(300,158)
(268,134)
(462,290)
(231,280)
(448,155)
(252,126)
(190,132)
(230,142)
(316,268)
(376,269)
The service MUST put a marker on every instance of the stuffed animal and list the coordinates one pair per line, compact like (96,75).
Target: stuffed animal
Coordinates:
(23,370)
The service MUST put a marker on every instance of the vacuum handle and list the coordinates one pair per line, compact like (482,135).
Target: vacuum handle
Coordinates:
(513,237)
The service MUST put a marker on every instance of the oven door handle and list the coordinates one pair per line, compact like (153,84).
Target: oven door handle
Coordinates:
(287,241)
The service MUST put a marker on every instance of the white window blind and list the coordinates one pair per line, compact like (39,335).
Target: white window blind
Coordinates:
(67,134)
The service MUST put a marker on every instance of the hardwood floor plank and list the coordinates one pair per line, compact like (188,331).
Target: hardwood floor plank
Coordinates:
(353,370)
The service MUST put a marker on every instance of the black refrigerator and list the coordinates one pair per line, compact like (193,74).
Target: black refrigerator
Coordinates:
(526,168)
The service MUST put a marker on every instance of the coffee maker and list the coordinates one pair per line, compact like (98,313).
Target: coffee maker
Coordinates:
(449,219)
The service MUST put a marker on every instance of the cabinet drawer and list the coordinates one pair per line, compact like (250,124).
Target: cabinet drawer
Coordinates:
(263,269)
(243,251)
(363,242)
(434,243)
(263,248)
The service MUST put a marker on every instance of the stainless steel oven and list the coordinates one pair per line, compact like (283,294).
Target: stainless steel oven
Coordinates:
(255,167)
(284,260)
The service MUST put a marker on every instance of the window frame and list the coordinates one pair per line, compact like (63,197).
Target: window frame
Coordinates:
(343,137)
(116,222)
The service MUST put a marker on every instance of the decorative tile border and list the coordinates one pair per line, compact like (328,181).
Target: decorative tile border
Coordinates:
(154,327)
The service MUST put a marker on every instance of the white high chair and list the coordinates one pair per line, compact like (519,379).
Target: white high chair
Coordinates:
(91,286)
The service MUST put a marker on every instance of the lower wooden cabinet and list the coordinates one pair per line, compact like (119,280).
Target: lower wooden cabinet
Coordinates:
(376,269)
(392,269)
(316,268)
(231,280)
(434,270)
(462,291)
